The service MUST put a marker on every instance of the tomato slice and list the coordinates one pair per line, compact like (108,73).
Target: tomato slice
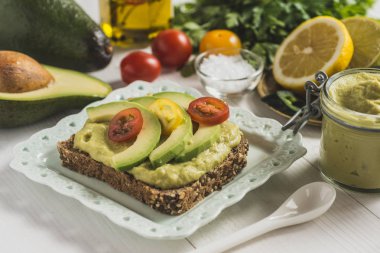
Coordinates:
(208,111)
(169,113)
(125,125)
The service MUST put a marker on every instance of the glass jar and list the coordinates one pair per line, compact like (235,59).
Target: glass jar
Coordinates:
(350,142)
(133,23)
(222,87)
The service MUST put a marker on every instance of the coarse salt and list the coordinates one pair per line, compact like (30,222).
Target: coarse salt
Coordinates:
(226,67)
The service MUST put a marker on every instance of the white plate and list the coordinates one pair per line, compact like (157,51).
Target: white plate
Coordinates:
(270,151)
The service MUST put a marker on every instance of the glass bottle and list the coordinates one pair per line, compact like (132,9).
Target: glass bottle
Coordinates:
(133,23)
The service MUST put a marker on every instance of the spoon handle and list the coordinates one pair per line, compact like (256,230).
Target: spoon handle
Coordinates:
(240,236)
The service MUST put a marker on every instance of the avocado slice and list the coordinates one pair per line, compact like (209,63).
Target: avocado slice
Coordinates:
(54,32)
(146,140)
(145,101)
(183,99)
(71,89)
(174,144)
(202,139)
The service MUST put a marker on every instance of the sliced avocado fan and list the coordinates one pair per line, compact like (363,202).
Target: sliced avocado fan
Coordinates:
(176,141)
(202,139)
(146,140)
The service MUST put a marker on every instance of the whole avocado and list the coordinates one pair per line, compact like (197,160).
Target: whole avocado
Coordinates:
(54,32)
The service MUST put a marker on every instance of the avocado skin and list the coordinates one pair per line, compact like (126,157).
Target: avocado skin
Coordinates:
(19,113)
(54,32)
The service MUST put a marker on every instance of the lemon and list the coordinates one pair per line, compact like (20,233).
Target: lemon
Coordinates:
(365,34)
(322,43)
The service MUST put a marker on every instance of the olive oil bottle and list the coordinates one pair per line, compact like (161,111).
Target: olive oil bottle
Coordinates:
(133,23)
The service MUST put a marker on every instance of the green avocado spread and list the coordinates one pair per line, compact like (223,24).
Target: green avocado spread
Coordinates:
(92,139)
(358,92)
(350,155)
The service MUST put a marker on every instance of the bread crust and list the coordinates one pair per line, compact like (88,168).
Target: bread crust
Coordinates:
(170,201)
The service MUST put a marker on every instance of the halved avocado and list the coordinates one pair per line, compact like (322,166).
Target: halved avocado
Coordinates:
(71,89)
(146,140)
(202,139)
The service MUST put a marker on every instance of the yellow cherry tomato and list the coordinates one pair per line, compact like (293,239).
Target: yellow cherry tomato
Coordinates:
(219,39)
(169,113)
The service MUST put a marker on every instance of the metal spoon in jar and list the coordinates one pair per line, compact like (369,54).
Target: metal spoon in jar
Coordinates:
(307,203)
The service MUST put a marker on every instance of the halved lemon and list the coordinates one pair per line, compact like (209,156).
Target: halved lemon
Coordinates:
(322,43)
(365,34)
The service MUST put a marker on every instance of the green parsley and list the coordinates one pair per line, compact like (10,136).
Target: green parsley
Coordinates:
(261,24)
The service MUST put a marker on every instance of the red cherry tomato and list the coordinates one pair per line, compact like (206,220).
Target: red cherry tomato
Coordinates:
(208,111)
(139,66)
(172,48)
(125,125)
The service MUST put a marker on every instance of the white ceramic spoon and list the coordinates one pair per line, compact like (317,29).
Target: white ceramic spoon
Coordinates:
(307,203)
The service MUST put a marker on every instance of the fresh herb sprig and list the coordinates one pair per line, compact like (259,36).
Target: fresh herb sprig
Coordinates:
(260,24)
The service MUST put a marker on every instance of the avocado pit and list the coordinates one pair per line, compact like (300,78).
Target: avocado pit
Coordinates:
(21,73)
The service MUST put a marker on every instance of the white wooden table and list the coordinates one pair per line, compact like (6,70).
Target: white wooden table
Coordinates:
(34,218)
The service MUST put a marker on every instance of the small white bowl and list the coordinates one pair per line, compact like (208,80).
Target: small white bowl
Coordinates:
(222,88)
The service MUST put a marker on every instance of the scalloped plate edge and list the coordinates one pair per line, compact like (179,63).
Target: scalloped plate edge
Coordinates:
(167,85)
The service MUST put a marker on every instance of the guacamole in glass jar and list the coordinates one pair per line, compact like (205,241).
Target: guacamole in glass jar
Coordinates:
(350,144)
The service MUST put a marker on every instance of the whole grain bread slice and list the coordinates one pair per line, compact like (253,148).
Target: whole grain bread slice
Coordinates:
(171,201)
